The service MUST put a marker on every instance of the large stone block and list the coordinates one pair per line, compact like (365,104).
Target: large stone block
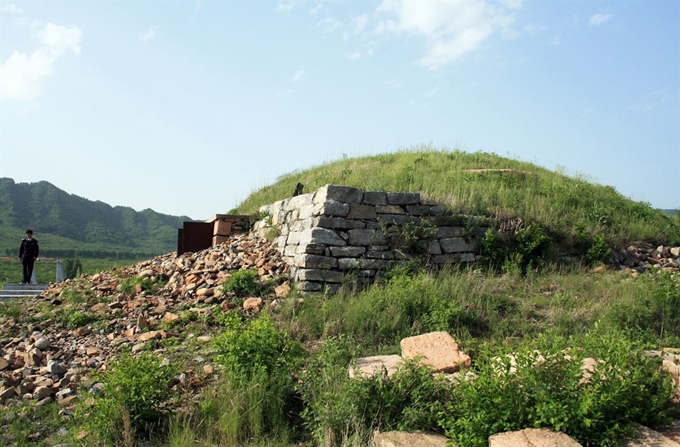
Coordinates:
(396,219)
(446,232)
(404,439)
(366,237)
(319,275)
(305,212)
(347,252)
(299,201)
(380,254)
(338,223)
(301,225)
(390,209)
(361,263)
(454,245)
(322,236)
(357,211)
(312,249)
(434,248)
(375,198)
(371,366)
(436,349)
(315,262)
(344,194)
(331,208)
(532,437)
(403,198)
(422,210)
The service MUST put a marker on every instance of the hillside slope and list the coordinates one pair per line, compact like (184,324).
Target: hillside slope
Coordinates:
(70,222)
(489,185)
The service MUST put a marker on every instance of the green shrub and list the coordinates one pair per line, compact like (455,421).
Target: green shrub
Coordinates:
(259,362)
(598,251)
(339,408)
(548,389)
(243,281)
(135,399)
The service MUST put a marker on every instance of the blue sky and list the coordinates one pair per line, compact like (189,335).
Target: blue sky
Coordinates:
(186,107)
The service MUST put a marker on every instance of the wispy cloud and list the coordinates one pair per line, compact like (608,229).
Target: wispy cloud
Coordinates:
(316,9)
(22,76)
(433,91)
(599,19)
(329,24)
(10,8)
(297,76)
(149,34)
(556,40)
(285,6)
(452,28)
(394,84)
(652,102)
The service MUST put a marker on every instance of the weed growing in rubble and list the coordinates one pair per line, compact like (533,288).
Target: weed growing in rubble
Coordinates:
(243,281)
(134,401)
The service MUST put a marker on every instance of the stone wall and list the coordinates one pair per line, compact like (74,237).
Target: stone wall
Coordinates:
(339,230)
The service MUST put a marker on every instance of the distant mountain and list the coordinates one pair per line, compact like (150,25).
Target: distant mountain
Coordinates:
(68,225)
(671,212)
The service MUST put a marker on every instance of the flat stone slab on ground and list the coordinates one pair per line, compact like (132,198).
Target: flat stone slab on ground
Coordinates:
(532,437)
(436,349)
(370,366)
(647,437)
(404,439)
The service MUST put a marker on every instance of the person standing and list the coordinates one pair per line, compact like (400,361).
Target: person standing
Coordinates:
(28,253)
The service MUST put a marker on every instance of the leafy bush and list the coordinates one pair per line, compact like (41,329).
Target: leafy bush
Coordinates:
(339,408)
(135,399)
(259,362)
(527,248)
(545,387)
(598,251)
(243,281)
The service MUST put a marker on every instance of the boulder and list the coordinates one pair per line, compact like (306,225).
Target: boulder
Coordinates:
(370,366)
(532,437)
(405,439)
(436,349)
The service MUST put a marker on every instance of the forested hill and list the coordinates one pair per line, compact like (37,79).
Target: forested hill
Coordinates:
(68,225)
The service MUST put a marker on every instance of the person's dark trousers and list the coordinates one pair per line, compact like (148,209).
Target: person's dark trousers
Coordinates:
(28,270)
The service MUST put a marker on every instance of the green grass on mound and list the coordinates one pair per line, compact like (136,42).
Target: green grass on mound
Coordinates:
(489,185)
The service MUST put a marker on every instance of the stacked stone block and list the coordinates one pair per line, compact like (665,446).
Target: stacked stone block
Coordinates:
(338,230)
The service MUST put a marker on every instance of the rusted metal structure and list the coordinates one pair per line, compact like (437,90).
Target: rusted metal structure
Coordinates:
(197,236)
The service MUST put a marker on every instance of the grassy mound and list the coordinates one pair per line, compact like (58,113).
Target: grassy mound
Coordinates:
(489,185)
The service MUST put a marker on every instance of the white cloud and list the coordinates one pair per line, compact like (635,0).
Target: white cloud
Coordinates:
(599,19)
(285,6)
(329,24)
(360,22)
(316,9)
(297,76)
(148,34)
(512,4)
(10,8)
(453,28)
(394,84)
(652,102)
(22,76)
(432,91)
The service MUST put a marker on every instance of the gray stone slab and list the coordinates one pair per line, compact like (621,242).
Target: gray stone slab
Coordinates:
(375,198)
(454,245)
(390,209)
(449,232)
(434,248)
(322,236)
(343,194)
(379,254)
(319,275)
(315,262)
(361,263)
(347,252)
(312,249)
(422,210)
(403,198)
(395,219)
(357,211)
(366,237)
(331,208)
(339,223)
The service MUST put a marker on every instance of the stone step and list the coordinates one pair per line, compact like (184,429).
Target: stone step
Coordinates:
(40,287)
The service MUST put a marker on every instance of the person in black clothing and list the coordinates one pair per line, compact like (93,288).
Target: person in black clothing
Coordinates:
(28,253)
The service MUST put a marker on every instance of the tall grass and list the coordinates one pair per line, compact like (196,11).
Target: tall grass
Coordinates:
(489,185)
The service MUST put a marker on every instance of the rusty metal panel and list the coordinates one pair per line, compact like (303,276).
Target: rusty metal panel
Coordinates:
(180,241)
(197,236)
